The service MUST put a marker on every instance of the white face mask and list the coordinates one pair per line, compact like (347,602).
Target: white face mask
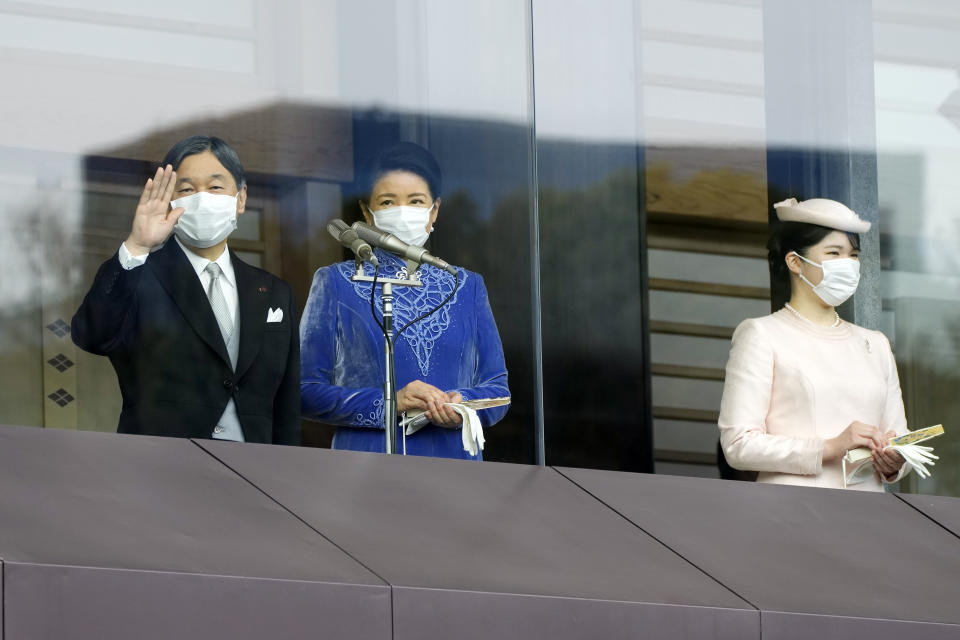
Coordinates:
(208,218)
(840,279)
(407,223)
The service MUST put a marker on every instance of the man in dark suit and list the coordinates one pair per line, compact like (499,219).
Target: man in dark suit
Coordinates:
(204,345)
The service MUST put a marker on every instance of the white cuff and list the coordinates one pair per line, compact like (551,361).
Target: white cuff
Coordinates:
(128,261)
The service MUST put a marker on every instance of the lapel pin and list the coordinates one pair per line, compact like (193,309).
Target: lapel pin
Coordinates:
(262,289)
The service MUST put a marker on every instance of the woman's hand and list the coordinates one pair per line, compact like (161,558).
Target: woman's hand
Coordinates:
(888,462)
(857,434)
(420,395)
(153,221)
(449,418)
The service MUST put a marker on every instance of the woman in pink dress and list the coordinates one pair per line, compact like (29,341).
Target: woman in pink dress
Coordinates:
(802,385)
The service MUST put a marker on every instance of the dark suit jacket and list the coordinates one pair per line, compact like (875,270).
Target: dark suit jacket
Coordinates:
(156,325)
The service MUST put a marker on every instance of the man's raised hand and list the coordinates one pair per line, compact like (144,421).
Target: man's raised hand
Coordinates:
(153,221)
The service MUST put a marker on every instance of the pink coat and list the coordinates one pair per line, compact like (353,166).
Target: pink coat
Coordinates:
(790,385)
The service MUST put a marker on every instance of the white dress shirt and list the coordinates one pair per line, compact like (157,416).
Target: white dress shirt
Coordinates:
(229,280)
(129,261)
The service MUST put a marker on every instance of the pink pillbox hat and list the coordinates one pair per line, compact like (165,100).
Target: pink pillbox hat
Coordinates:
(821,211)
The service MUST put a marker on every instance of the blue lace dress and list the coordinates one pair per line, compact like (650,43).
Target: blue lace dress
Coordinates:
(455,349)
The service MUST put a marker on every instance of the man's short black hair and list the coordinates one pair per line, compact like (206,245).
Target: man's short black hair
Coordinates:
(405,156)
(198,144)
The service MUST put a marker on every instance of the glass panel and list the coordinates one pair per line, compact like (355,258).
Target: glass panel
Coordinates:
(918,139)
(596,403)
(462,91)
(256,259)
(702,126)
(249,226)
(617,208)
(95,93)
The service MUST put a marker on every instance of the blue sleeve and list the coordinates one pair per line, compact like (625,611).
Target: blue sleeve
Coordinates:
(490,378)
(322,362)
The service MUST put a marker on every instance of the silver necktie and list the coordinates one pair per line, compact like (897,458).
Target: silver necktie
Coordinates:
(218,302)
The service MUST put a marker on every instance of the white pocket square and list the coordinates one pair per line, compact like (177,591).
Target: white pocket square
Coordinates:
(275,315)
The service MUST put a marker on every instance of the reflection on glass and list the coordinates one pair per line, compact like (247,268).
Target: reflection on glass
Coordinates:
(446,348)
(304,107)
(918,137)
(250,257)
(248,226)
(655,124)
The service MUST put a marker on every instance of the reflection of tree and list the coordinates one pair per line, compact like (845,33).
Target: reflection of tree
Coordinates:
(21,268)
(928,347)
(590,250)
(498,249)
(590,318)
(460,234)
(21,317)
(590,287)
(37,254)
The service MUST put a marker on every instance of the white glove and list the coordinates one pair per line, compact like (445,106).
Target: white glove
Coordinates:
(472,431)
(917,457)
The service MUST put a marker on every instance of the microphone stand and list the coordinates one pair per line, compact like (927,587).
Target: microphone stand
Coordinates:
(390,381)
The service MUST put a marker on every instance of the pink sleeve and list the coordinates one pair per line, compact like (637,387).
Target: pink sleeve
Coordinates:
(894,417)
(747,392)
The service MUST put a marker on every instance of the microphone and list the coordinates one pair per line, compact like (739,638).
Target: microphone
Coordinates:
(349,238)
(393,244)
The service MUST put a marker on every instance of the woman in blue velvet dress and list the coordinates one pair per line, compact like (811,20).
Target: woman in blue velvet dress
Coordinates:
(454,354)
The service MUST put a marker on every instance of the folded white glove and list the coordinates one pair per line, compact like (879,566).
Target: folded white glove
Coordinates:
(471,432)
(858,465)
(917,457)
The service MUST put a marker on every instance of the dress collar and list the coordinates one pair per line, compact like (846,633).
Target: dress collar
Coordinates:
(841,331)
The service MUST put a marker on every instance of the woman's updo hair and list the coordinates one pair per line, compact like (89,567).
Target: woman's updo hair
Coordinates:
(786,237)
(405,156)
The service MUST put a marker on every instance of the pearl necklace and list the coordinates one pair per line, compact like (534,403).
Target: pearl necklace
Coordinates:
(836,323)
